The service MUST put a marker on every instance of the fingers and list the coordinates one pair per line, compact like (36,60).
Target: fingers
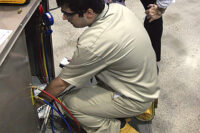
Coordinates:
(151,19)
(151,5)
(69,59)
(38,103)
(146,12)
(148,17)
(152,13)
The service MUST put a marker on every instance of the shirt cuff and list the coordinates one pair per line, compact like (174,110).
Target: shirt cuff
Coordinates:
(164,3)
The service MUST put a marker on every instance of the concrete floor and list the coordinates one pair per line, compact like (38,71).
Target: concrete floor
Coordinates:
(179,103)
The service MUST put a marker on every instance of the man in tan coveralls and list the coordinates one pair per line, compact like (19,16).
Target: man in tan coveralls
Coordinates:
(116,49)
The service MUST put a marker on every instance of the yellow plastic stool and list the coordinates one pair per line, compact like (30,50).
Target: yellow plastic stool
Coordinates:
(148,115)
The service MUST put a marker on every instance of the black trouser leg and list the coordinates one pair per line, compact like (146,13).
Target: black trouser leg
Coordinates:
(154,30)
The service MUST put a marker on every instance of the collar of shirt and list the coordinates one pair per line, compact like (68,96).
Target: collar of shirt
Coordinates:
(103,13)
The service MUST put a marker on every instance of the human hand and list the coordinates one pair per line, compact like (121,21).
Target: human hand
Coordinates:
(37,95)
(41,108)
(38,103)
(154,12)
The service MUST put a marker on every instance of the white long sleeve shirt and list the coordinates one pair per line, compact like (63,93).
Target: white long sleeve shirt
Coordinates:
(164,3)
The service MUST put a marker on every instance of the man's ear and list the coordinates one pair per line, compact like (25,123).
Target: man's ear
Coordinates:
(90,13)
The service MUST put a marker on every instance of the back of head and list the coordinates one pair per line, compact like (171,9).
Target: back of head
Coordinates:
(81,6)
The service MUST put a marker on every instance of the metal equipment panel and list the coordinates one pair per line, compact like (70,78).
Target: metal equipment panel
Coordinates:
(12,20)
(16,111)
(18,65)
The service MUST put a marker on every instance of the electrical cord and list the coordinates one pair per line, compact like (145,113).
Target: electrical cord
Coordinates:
(54,8)
(63,106)
(57,106)
(40,55)
(70,130)
(32,97)
(43,54)
(46,57)
(51,121)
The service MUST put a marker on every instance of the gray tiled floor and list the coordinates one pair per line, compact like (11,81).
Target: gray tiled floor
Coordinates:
(179,103)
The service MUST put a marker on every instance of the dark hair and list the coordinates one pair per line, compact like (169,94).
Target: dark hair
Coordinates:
(81,6)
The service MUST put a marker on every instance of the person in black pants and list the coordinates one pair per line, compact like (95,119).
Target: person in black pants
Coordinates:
(153,21)
(154,29)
